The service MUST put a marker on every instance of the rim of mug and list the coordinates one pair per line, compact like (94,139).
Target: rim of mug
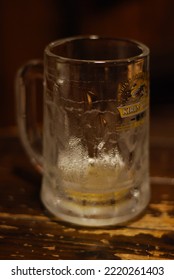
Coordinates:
(144,50)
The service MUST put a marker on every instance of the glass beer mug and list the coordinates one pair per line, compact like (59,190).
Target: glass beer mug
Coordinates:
(95,158)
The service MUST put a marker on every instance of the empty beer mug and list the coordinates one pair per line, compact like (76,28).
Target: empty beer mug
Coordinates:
(95,158)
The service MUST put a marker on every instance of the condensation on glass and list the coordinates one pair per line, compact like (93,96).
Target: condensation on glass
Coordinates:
(95,159)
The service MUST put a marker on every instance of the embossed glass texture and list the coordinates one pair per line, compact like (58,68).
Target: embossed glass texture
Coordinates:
(96,130)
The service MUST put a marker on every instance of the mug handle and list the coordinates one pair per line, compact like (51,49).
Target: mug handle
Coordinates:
(28,85)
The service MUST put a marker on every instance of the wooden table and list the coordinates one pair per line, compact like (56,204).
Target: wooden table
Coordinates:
(27,231)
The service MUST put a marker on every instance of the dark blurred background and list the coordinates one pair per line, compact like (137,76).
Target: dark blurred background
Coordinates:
(26,27)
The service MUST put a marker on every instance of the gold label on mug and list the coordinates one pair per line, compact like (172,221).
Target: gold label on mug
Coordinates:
(133,109)
(133,99)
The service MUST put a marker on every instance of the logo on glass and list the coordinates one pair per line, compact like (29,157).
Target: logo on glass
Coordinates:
(133,98)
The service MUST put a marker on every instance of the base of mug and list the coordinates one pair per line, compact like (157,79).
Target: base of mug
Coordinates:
(98,215)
